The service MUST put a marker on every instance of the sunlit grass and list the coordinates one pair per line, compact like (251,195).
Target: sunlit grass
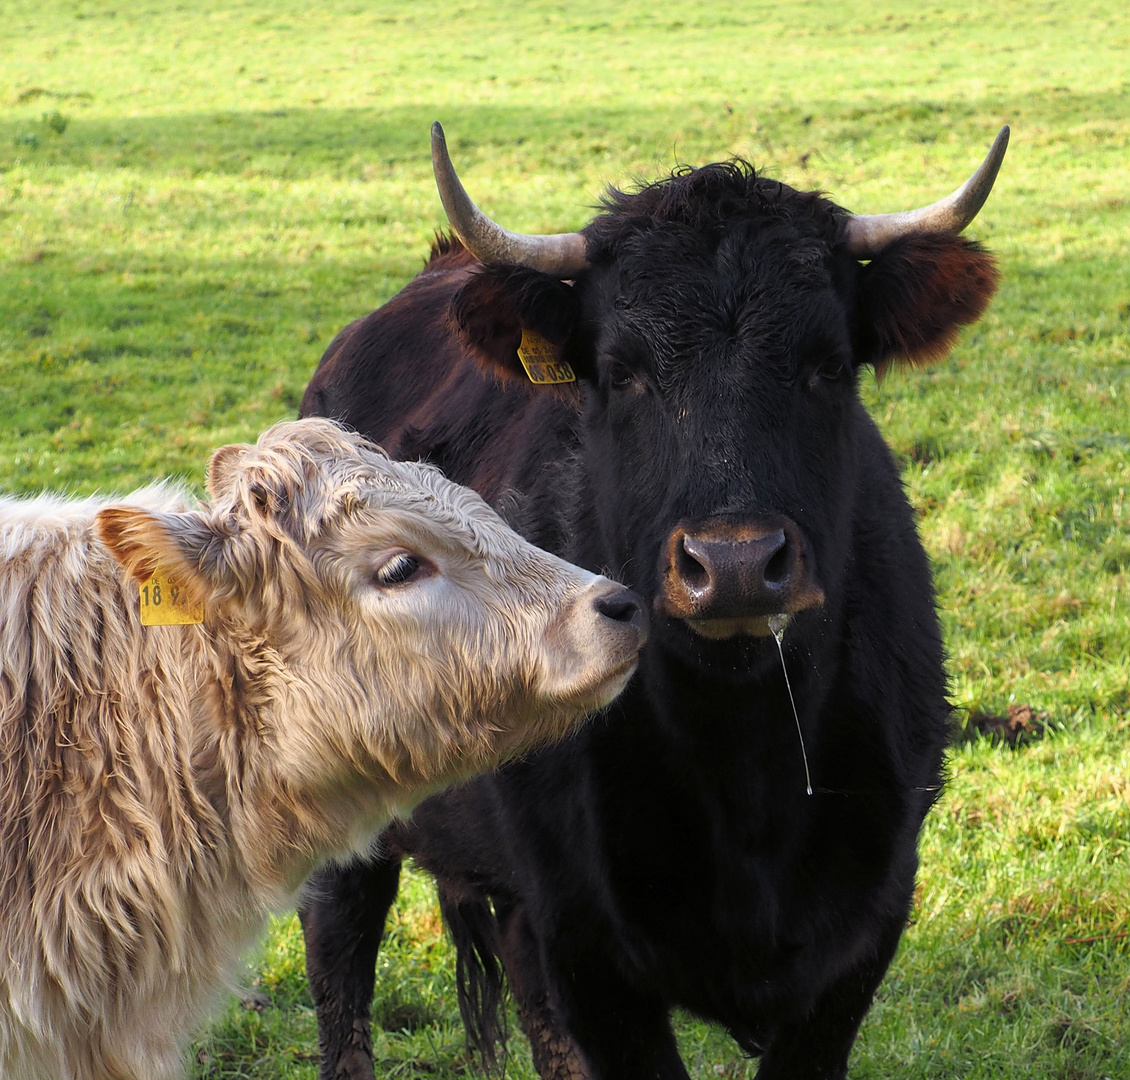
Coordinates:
(195,197)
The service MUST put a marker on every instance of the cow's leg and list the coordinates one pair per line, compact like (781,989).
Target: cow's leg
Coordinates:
(592,1025)
(556,1055)
(817,1047)
(343,919)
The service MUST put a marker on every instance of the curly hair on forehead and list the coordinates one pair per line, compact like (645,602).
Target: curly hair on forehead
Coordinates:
(710,200)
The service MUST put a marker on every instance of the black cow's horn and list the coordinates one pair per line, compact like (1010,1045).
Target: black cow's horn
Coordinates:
(559,254)
(868,234)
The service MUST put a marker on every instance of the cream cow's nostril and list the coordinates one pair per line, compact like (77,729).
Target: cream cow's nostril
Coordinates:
(623,606)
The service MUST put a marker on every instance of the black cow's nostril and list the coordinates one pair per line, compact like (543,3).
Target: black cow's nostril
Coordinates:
(778,567)
(623,606)
(692,565)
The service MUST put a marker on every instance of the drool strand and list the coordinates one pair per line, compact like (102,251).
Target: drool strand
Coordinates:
(777,624)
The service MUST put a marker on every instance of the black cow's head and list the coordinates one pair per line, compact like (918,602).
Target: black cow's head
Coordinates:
(717,323)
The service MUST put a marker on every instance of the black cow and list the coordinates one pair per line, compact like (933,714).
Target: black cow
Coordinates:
(714,454)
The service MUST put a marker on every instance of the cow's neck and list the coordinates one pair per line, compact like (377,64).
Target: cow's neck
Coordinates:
(287,810)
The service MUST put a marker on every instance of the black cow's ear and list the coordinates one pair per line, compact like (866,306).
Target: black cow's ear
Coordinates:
(916,294)
(500,304)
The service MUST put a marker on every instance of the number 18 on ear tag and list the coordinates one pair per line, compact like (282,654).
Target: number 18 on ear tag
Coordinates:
(165,603)
(539,358)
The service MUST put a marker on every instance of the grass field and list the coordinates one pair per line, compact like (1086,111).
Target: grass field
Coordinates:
(195,197)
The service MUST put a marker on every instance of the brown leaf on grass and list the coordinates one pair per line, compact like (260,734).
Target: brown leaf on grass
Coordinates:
(257,1000)
(1020,723)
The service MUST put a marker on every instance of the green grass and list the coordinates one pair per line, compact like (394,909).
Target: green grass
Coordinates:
(194,198)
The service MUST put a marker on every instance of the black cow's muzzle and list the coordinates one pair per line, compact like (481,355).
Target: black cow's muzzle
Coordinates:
(726,578)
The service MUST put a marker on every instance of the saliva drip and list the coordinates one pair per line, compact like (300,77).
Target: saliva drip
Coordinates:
(777,624)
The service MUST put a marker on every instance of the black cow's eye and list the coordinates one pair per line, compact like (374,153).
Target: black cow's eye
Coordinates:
(400,568)
(620,377)
(828,372)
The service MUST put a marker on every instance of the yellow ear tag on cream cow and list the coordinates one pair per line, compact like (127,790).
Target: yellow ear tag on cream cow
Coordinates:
(539,358)
(165,603)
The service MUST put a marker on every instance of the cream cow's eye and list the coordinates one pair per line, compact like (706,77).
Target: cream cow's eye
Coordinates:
(398,568)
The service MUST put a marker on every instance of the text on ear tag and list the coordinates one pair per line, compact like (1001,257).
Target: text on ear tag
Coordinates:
(539,358)
(166,603)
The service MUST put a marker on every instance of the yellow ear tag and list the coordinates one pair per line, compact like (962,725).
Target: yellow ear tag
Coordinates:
(539,358)
(165,603)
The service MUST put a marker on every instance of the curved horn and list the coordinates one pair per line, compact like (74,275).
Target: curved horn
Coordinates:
(559,254)
(868,234)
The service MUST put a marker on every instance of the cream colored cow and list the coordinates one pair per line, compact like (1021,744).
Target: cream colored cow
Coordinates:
(370,632)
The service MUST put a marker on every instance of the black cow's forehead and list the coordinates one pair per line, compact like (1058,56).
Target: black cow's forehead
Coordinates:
(772,253)
(708,253)
(765,296)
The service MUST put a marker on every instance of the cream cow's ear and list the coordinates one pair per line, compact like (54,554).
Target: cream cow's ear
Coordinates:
(221,468)
(189,546)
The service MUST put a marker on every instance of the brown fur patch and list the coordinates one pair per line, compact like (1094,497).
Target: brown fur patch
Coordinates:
(130,534)
(918,293)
